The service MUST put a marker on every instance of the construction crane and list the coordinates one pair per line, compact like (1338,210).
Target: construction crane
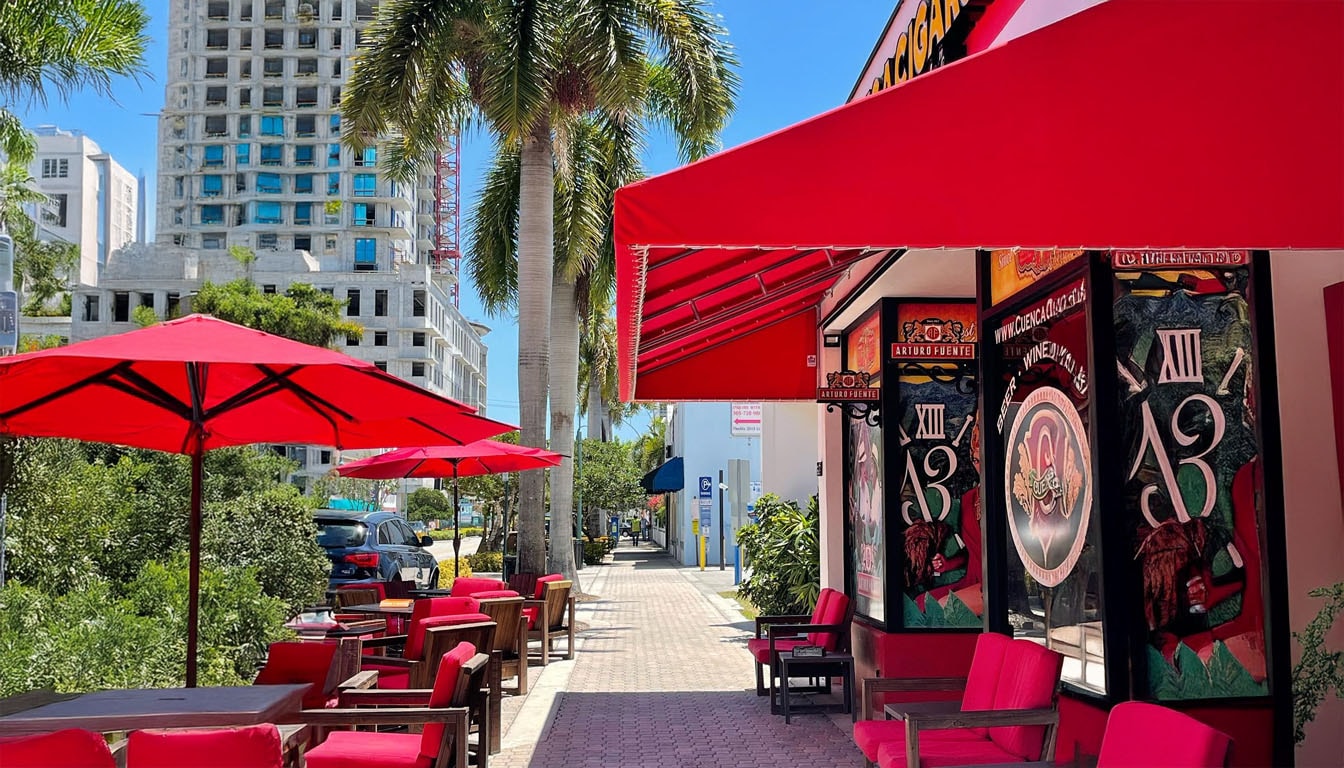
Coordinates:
(446,255)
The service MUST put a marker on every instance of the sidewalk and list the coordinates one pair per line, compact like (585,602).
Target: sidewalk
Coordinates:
(661,678)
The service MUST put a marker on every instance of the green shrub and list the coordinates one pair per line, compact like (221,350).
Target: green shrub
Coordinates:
(784,551)
(446,534)
(594,552)
(486,562)
(273,532)
(446,576)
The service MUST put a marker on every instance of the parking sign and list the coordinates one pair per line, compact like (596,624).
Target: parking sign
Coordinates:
(706,487)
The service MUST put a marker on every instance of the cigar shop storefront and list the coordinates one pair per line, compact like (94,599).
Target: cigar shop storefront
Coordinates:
(1069,293)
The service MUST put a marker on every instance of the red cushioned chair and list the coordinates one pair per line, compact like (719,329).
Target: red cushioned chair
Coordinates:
(361,594)
(531,610)
(468,586)
(256,746)
(297,663)
(410,670)
(827,626)
(1018,727)
(1139,735)
(551,616)
(70,748)
(442,710)
(977,688)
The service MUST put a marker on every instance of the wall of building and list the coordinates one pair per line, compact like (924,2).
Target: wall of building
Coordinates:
(701,435)
(789,450)
(1313,512)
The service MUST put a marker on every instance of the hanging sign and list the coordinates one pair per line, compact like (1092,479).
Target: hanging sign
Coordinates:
(746,420)
(847,387)
(944,331)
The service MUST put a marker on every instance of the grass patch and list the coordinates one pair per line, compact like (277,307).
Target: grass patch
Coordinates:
(747,608)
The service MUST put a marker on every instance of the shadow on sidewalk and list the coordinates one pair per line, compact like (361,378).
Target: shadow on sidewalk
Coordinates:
(684,728)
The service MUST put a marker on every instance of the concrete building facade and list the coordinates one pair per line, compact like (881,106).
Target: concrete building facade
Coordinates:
(92,201)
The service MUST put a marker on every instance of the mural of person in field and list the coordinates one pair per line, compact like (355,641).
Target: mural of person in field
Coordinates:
(1184,344)
(865,507)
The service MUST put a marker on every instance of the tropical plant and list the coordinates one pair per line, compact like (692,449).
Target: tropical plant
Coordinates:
(41,269)
(784,549)
(1319,673)
(529,70)
(608,480)
(302,313)
(65,46)
(427,504)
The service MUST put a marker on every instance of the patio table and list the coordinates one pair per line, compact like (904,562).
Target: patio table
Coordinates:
(378,608)
(130,709)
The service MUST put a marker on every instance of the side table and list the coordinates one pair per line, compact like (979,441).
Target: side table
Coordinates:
(831,665)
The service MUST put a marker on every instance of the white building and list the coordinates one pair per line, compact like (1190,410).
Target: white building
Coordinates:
(92,201)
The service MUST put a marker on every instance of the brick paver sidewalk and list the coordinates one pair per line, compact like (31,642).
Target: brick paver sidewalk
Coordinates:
(662,678)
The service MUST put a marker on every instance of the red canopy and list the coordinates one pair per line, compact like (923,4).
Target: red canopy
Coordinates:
(136,389)
(483,457)
(1133,124)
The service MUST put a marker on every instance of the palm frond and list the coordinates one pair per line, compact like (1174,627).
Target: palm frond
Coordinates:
(67,45)
(492,257)
(512,90)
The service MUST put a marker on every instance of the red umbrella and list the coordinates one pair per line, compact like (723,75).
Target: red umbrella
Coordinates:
(198,383)
(483,457)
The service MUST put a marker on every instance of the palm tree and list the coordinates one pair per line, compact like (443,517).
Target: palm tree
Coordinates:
(64,45)
(529,69)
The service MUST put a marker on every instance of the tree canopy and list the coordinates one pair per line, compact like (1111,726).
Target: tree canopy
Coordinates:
(301,313)
(427,504)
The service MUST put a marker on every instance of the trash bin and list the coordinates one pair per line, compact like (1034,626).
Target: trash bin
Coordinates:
(510,566)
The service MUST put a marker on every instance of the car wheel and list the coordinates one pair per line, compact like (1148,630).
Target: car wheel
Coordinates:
(433,579)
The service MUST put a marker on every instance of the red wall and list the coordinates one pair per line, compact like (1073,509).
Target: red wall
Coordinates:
(1081,723)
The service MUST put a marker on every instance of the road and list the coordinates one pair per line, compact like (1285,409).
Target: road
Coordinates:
(443,550)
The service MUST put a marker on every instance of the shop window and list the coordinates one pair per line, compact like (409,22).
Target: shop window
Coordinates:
(266,213)
(242,154)
(121,307)
(303,155)
(418,303)
(272,154)
(380,303)
(303,184)
(366,185)
(380,338)
(212,185)
(305,125)
(352,302)
(303,214)
(216,125)
(269,183)
(216,96)
(214,155)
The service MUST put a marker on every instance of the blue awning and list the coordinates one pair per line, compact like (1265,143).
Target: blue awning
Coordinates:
(668,476)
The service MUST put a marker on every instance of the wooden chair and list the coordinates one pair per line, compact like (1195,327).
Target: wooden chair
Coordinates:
(554,616)
(827,626)
(409,670)
(347,596)
(442,710)
(1018,725)
(70,747)
(253,746)
(484,701)
(510,649)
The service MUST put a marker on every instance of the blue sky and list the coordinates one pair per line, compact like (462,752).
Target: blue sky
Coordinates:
(798,58)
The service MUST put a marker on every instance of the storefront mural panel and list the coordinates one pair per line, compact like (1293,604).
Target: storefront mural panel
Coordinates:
(864,498)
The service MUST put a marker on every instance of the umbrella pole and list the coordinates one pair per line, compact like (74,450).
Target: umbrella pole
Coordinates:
(194,568)
(457,533)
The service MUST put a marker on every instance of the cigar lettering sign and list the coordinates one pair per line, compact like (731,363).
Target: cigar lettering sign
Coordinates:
(1192,471)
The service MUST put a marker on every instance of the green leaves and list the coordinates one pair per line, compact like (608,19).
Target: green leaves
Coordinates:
(1190,678)
(302,313)
(784,554)
(608,477)
(1319,672)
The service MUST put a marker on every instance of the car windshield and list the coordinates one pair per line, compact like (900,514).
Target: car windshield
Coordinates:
(340,533)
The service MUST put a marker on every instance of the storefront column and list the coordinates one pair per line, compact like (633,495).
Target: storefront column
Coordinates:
(830,486)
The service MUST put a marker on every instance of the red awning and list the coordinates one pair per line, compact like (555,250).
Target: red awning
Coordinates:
(1134,124)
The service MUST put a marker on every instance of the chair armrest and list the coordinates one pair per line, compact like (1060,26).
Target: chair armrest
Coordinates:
(875,685)
(360,680)
(764,620)
(984,718)
(390,661)
(387,716)
(789,630)
(385,640)
(410,697)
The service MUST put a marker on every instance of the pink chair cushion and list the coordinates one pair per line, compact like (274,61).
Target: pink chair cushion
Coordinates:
(293,663)
(870,735)
(389,677)
(491,594)
(433,607)
(760,648)
(72,747)
(255,746)
(1141,734)
(1028,680)
(983,679)
(939,753)
(833,613)
(365,749)
(467,586)
(445,684)
(540,591)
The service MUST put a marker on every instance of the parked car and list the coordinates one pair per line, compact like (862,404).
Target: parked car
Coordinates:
(420,528)
(365,547)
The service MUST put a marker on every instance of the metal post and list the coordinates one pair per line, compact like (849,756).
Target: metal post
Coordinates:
(721,534)
(457,533)
(4,514)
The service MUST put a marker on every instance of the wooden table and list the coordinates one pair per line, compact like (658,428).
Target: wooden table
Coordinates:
(831,665)
(125,710)
(377,609)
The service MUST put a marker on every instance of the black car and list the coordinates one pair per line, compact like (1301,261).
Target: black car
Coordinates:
(365,547)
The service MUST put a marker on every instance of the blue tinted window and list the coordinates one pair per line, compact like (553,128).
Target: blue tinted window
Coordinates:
(333,183)
(243,154)
(272,154)
(267,213)
(366,249)
(303,154)
(214,154)
(303,213)
(272,125)
(303,183)
(212,185)
(366,184)
(269,183)
(333,155)
(212,214)
(244,126)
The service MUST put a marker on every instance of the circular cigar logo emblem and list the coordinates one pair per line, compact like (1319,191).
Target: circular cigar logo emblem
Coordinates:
(1048,485)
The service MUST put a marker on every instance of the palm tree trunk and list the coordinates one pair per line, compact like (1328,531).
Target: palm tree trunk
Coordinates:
(564,401)
(536,248)
(597,410)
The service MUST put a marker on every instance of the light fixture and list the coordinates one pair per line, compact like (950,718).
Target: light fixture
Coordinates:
(830,339)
